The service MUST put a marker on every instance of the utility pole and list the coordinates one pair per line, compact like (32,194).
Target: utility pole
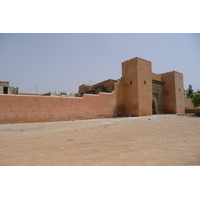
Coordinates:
(36,88)
(92,82)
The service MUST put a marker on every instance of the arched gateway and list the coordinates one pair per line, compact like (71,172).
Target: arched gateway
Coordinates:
(155,105)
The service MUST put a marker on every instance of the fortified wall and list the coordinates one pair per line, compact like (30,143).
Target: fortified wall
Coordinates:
(19,108)
(173,93)
(189,105)
(138,93)
(137,86)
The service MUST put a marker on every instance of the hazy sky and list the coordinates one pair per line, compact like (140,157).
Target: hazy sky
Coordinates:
(62,62)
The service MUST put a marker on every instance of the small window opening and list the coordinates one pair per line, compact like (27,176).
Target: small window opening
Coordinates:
(5,90)
(145,82)
(130,82)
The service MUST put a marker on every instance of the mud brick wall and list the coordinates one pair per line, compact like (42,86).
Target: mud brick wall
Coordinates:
(137,78)
(157,77)
(144,71)
(188,104)
(179,91)
(173,93)
(19,108)
(130,81)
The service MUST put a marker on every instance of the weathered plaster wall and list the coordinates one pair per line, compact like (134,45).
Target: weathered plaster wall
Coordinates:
(179,92)
(137,79)
(1,89)
(157,77)
(120,98)
(173,92)
(188,104)
(18,108)
(169,94)
(144,71)
(130,80)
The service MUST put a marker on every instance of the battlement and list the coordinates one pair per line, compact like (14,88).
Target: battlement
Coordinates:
(130,61)
(171,72)
(142,59)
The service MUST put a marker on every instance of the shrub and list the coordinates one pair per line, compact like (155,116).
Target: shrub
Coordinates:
(196,99)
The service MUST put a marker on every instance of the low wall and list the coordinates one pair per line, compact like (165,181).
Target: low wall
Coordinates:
(157,77)
(22,108)
(189,105)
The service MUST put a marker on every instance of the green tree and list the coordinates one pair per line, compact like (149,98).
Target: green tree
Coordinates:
(196,99)
(190,92)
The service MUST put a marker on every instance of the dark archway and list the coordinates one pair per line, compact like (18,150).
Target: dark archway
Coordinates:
(153,107)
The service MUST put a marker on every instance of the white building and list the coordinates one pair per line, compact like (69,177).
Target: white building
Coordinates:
(6,89)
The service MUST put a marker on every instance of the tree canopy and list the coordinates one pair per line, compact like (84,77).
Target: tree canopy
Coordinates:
(190,91)
(196,99)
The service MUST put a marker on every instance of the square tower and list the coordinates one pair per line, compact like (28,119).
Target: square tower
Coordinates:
(137,79)
(173,93)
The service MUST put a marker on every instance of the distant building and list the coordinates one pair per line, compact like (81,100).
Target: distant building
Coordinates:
(6,89)
(62,94)
(105,86)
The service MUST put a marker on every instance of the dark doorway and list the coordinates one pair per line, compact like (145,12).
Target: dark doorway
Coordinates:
(5,90)
(153,107)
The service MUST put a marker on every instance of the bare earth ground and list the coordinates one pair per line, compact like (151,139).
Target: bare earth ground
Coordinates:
(159,140)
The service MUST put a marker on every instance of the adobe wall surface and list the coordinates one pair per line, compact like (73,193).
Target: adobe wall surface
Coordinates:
(130,81)
(144,73)
(137,79)
(157,77)
(179,92)
(17,108)
(188,104)
(173,93)
(169,93)
(120,98)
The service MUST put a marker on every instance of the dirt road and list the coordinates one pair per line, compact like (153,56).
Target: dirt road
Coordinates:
(159,140)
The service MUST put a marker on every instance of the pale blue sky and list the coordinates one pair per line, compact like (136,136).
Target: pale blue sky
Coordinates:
(62,62)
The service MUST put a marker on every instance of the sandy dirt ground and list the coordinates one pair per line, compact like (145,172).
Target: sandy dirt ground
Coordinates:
(159,140)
